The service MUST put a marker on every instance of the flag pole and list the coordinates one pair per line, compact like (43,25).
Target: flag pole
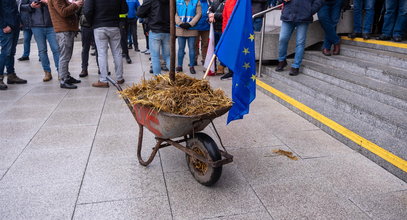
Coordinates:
(209,66)
(172,40)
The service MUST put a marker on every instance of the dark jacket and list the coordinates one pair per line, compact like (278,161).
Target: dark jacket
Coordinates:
(40,17)
(9,15)
(300,10)
(104,13)
(25,14)
(217,7)
(258,6)
(158,14)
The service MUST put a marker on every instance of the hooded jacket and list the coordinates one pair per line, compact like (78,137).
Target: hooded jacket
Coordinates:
(9,15)
(300,10)
(25,14)
(104,13)
(158,14)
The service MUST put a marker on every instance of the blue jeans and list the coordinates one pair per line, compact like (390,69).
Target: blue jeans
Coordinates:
(191,50)
(8,43)
(359,5)
(257,23)
(287,29)
(328,17)
(157,41)
(395,19)
(27,42)
(41,35)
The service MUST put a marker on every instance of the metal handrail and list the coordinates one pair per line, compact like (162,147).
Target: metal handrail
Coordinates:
(262,33)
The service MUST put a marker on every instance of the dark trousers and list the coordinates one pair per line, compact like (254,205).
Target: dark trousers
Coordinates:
(146,30)
(124,26)
(87,40)
(8,43)
(133,27)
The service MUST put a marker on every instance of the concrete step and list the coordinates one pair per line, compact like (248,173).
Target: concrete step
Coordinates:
(393,75)
(366,130)
(377,56)
(376,44)
(386,93)
(382,116)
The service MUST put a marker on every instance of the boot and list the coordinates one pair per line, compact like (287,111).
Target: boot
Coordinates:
(12,78)
(47,76)
(337,49)
(84,73)
(221,70)
(2,85)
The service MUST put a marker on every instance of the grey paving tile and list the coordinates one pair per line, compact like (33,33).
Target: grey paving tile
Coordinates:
(73,118)
(47,89)
(2,172)
(306,198)
(314,143)
(173,160)
(390,205)
(231,195)
(54,201)
(26,112)
(115,107)
(12,95)
(94,104)
(83,92)
(246,216)
(48,166)
(123,178)
(353,175)
(111,123)
(21,129)
(40,99)
(63,137)
(139,208)
(9,151)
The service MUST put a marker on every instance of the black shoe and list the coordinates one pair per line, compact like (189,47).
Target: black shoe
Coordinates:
(383,37)
(93,53)
(192,70)
(23,58)
(72,80)
(281,65)
(84,73)
(164,68)
(354,35)
(66,85)
(366,36)
(151,70)
(397,39)
(128,60)
(226,76)
(136,49)
(130,46)
(178,69)
(294,71)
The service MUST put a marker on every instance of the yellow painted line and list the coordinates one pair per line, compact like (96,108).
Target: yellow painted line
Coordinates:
(384,154)
(379,42)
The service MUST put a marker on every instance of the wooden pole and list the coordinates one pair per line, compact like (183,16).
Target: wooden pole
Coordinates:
(209,67)
(172,40)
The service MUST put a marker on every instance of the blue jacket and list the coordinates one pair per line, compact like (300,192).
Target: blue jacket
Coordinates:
(9,15)
(203,24)
(186,12)
(300,10)
(133,6)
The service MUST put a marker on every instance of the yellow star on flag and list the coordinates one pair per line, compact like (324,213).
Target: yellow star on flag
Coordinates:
(253,77)
(246,51)
(251,37)
(246,65)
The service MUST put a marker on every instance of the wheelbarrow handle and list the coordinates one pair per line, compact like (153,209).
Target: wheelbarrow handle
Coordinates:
(114,83)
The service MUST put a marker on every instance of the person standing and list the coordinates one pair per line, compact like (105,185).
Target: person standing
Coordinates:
(27,32)
(215,16)
(42,28)
(104,17)
(66,24)
(258,6)
(364,30)
(132,21)
(158,17)
(296,15)
(10,30)
(202,39)
(395,20)
(124,26)
(328,17)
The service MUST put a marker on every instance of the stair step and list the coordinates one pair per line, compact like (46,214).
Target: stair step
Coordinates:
(379,45)
(377,56)
(380,115)
(388,74)
(383,92)
(366,130)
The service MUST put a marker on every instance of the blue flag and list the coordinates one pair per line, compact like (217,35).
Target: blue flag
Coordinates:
(235,49)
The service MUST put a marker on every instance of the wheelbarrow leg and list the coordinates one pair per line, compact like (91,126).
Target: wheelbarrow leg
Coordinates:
(140,145)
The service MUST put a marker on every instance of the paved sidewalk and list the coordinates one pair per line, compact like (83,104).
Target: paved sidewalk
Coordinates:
(71,154)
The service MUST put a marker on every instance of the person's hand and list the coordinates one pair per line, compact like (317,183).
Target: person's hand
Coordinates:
(185,25)
(44,1)
(211,17)
(79,3)
(7,30)
(35,4)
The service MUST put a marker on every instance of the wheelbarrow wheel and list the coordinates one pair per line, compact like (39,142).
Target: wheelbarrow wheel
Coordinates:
(205,146)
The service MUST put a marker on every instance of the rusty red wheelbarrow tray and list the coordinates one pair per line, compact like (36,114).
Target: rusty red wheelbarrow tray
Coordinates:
(204,158)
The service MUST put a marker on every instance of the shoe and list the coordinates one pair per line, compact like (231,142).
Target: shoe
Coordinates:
(84,73)
(147,52)
(23,58)
(220,70)
(281,65)
(366,36)
(2,85)
(130,46)
(294,71)
(337,49)
(123,55)
(93,53)
(178,69)
(144,51)
(66,85)
(192,70)
(151,70)
(326,52)
(72,80)
(108,73)
(354,35)
(120,81)
(226,76)
(164,68)
(12,78)
(47,76)
(383,37)
(397,39)
(100,84)
(136,49)
(128,60)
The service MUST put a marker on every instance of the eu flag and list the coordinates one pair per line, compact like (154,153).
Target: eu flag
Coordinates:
(236,50)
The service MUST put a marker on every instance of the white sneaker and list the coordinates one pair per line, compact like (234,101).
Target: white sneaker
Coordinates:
(147,52)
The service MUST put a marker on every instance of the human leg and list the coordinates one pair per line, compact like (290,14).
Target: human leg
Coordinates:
(53,44)
(191,50)
(165,42)
(101,41)
(65,44)
(286,31)
(155,44)
(115,47)
(300,44)
(357,16)
(181,50)
(401,22)
(369,16)
(40,38)
(27,42)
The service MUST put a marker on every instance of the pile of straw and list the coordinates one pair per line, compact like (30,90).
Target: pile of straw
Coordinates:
(184,96)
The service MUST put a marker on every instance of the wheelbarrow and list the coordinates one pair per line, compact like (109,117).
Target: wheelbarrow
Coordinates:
(203,157)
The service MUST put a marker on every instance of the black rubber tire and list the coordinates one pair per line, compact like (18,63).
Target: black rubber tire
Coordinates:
(209,147)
